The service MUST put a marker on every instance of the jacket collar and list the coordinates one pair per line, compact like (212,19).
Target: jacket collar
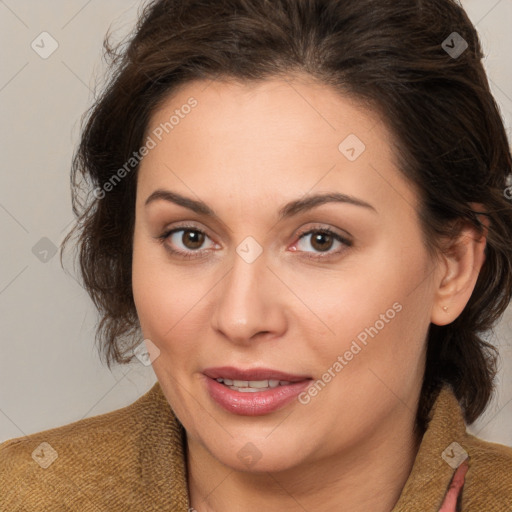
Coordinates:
(163,455)
(431,474)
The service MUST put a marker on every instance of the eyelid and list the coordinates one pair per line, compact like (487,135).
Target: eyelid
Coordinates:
(323,227)
(184,226)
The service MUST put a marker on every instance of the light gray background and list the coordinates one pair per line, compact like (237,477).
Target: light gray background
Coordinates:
(50,374)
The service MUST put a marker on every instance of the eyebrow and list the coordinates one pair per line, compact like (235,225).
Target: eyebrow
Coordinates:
(288,210)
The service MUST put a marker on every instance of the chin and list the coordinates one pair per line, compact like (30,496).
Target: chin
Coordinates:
(255,454)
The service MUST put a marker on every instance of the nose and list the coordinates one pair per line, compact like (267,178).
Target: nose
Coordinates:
(248,305)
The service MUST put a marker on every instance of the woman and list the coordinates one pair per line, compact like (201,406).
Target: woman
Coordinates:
(302,208)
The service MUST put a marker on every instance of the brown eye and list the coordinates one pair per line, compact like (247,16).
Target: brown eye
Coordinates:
(186,242)
(192,239)
(322,241)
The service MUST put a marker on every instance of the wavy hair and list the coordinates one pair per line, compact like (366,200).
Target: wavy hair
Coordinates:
(394,56)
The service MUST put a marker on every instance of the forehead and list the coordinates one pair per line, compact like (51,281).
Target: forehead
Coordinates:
(279,137)
(257,112)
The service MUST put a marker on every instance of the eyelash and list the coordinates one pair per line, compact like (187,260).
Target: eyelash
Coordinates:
(198,254)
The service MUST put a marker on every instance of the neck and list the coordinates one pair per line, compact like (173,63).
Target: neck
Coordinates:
(369,477)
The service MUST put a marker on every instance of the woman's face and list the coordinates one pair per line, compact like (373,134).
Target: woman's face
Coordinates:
(329,327)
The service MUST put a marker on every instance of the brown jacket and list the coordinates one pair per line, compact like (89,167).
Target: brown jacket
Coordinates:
(132,459)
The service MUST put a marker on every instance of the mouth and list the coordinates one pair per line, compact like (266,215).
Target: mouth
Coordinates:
(253,392)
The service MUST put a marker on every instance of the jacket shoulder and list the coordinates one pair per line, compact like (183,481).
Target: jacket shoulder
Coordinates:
(489,478)
(65,466)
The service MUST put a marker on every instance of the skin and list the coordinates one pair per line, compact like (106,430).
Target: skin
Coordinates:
(246,150)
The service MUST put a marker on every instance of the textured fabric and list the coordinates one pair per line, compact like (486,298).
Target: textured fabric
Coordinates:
(488,481)
(128,460)
(133,459)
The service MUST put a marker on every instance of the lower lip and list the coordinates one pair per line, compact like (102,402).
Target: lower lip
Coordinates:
(254,403)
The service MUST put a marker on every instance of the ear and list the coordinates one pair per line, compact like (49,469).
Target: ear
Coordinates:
(458,270)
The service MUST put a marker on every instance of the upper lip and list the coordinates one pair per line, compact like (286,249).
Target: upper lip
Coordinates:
(230,372)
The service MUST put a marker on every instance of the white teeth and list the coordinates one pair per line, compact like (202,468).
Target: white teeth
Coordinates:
(258,383)
(252,385)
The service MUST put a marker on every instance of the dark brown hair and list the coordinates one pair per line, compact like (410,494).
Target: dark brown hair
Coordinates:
(390,55)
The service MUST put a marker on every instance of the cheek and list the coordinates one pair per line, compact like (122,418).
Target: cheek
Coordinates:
(377,312)
(149,292)
(156,299)
(170,309)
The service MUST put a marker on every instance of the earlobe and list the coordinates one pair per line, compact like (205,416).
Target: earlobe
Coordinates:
(460,265)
